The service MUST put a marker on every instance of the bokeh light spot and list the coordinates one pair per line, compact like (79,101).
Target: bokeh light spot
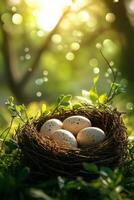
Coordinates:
(110,17)
(17,19)
(14,9)
(45,79)
(40,33)
(98,46)
(75,46)
(27,56)
(56,38)
(96,70)
(111,63)
(70,56)
(84,16)
(93,62)
(45,72)
(14,2)
(131,6)
(38,94)
(60,47)
(39,81)
(109,45)
(26,49)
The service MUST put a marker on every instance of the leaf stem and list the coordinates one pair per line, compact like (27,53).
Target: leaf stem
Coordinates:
(111,92)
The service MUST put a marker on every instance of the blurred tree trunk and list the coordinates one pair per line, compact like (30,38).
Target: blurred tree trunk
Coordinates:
(123,26)
(17,87)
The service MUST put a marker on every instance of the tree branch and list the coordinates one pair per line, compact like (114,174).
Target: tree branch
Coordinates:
(7,59)
(43,48)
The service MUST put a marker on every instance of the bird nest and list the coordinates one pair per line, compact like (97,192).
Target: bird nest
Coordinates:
(47,159)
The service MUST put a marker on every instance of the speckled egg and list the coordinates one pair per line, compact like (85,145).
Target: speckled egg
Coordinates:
(50,126)
(65,138)
(75,123)
(90,136)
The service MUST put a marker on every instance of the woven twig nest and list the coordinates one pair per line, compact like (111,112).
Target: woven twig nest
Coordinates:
(46,158)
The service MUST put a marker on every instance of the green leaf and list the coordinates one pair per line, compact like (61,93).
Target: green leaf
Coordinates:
(64,100)
(10,145)
(95,80)
(43,108)
(102,98)
(24,173)
(11,99)
(114,86)
(73,185)
(39,194)
(106,171)
(77,105)
(93,96)
(67,98)
(18,108)
(90,167)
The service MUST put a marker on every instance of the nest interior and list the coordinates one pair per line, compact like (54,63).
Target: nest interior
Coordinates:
(48,159)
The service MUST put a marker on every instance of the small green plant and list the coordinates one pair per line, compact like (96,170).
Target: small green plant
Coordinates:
(93,97)
(17,110)
(63,102)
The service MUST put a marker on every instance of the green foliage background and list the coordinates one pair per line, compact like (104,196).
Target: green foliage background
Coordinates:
(36,66)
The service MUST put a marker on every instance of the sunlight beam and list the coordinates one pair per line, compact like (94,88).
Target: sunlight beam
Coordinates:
(48,12)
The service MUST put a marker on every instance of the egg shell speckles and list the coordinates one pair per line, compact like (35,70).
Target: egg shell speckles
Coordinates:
(50,126)
(75,123)
(90,136)
(64,138)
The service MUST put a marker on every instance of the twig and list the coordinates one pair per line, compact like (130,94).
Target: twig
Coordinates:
(110,94)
